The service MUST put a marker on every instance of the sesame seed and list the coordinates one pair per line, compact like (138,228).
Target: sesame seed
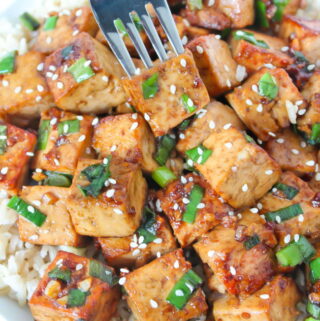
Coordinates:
(40,88)
(134,116)
(227,126)
(278,219)
(185,201)
(53,121)
(153,304)
(79,267)
(82,138)
(179,293)
(254,87)
(301,112)
(184,40)
(234,168)
(48,40)
(212,124)
(300,218)
(157,240)
(173,89)
(287,239)
(296,237)
(54,77)
(146,116)
(211,253)
(133,245)
(36,203)
(183,63)
(259,205)
(201,205)
(199,50)
(303,144)
(175,206)
(18,89)
(190,162)
(136,252)
(310,163)
(38,170)
(189,102)
(142,246)
(272,134)
(79,12)
(292,111)
(52,68)
(49,74)
(295,151)
(40,66)
(112,181)
(56,161)
(60,84)
(4,170)
(249,102)
(260,108)
(311,67)
(29,91)
(122,270)
(269,172)
(254,210)
(134,126)
(122,281)
(65,128)
(118,211)
(75,32)
(176,264)
(105,78)
(233,270)
(182,136)
(299,102)
(228,82)
(5,83)
(264,296)
(87,63)
(29,154)
(284,49)
(30,209)
(244,188)
(113,148)
(317,177)
(228,145)
(218,37)
(280,140)
(110,193)
(95,121)
(211,3)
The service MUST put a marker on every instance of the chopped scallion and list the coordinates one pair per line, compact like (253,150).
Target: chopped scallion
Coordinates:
(280,5)
(120,27)
(163,176)
(249,37)
(148,227)
(69,127)
(311,319)
(248,138)
(313,309)
(164,150)
(261,14)
(43,134)
(315,134)
(102,272)
(315,270)
(57,179)
(195,4)
(76,298)
(195,198)
(29,21)
(289,191)
(60,274)
(66,51)
(252,242)
(3,139)
(290,255)
(7,63)
(81,70)
(137,22)
(199,154)
(50,23)
(150,86)
(307,250)
(268,86)
(188,103)
(285,213)
(185,124)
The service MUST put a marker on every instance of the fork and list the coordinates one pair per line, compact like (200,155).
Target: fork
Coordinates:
(107,11)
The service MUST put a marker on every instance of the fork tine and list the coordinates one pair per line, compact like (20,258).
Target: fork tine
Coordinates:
(166,19)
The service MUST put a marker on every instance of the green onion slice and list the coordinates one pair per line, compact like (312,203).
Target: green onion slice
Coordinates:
(195,198)
(289,191)
(285,213)
(76,298)
(249,37)
(268,86)
(60,274)
(57,179)
(7,63)
(315,134)
(248,138)
(252,242)
(185,124)
(120,27)
(50,23)
(69,127)
(300,57)
(137,22)
(183,289)
(280,5)
(315,270)
(163,176)
(29,21)
(150,86)
(81,70)
(311,319)
(313,309)
(261,14)
(66,51)
(43,134)
(307,250)
(27,211)
(188,103)
(3,139)
(102,272)
(290,255)
(164,150)
(199,154)
(195,4)
(149,226)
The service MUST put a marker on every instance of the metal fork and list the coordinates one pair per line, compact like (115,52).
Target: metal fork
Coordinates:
(107,11)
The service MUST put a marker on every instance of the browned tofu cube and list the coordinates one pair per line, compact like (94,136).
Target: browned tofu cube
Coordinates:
(126,136)
(107,198)
(215,116)
(58,30)
(276,301)
(75,288)
(210,210)
(85,76)
(149,286)
(63,139)
(57,228)
(168,93)
(254,57)
(241,266)
(303,35)
(16,148)
(239,171)
(312,87)
(24,93)
(292,153)
(215,63)
(137,250)
(265,112)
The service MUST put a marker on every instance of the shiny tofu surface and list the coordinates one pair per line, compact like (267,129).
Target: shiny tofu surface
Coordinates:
(239,171)
(175,79)
(82,293)
(93,85)
(117,210)
(63,142)
(149,286)
(130,136)
(57,228)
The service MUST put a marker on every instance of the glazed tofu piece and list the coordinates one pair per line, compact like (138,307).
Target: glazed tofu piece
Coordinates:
(263,111)
(137,250)
(168,93)
(210,210)
(57,228)
(16,148)
(215,63)
(303,35)
(85,76)
(75,288)
(107,198)
(216,116)
(149,287)
(292,153)
(312,87)
(254,56)
(62,140)
(58,30)
(240,256)
(276,301)
(24,94)
(239,171)
(126,136)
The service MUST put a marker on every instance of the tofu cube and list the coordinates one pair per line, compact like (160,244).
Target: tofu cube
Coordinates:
(149,286)
(239,171)
(64,29)
(64,141)
(173,202)
(215,63)
(126,136)
(312,87)
(24,94)
(85,76)
(240,270)
(75,288)
(255,57)
(168,93)
(134,251)
(276,301)
(215,116)
(57,228)
(17,146)
(292,153)
(266,113)
(116,211)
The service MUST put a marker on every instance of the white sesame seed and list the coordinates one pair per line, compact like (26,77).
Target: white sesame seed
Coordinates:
(40,88)
(299,102)
(211,253)
(146,116)
(134,126)
(233,270)
(5,83)
(52,68)
(227,126)
(30,154)
(18,89)
(234,168)
(136,252)
(190,162)
(134,116)
(82,138)
(49,74)
(179,293)
(60,84)
(182,136)
(173,89)
(296,237)
(269,172)
(38,170)
(185,201)
(228,145)
(38,98)
(56,161)
(301,218)
(287,239)
(30,209)
(110,193)
(157,240)
(260,108)
(75,32)
(278,219)
(29,91)
(112,181)
(292,111)
(53,121)
(4,170)
(317,177)
(301,112)
(284,49)
(105,78)
(87,63)
(79,12)
(183,62)
(201,205)
(189,102)
(133,245)
(199,50)
(184,40)
(303,144)
(218,37)
(280,140)
(311,67)
(310,163)
(142,246)
(175,206)
(153,304)
(65,128)
(249,102)
(254,210)
(48,40)
(264,296)
(231,213)
(176,264)
(54,77)
(36,203)
(123,270)
(122,281)
(295,151)
(113,148)
(212,124)
(272,134)
(259,205)
(211,3)
(79,267)
(40,66)
(254,88)
(244,188)
(241,73)
(95,121)
(228,83)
